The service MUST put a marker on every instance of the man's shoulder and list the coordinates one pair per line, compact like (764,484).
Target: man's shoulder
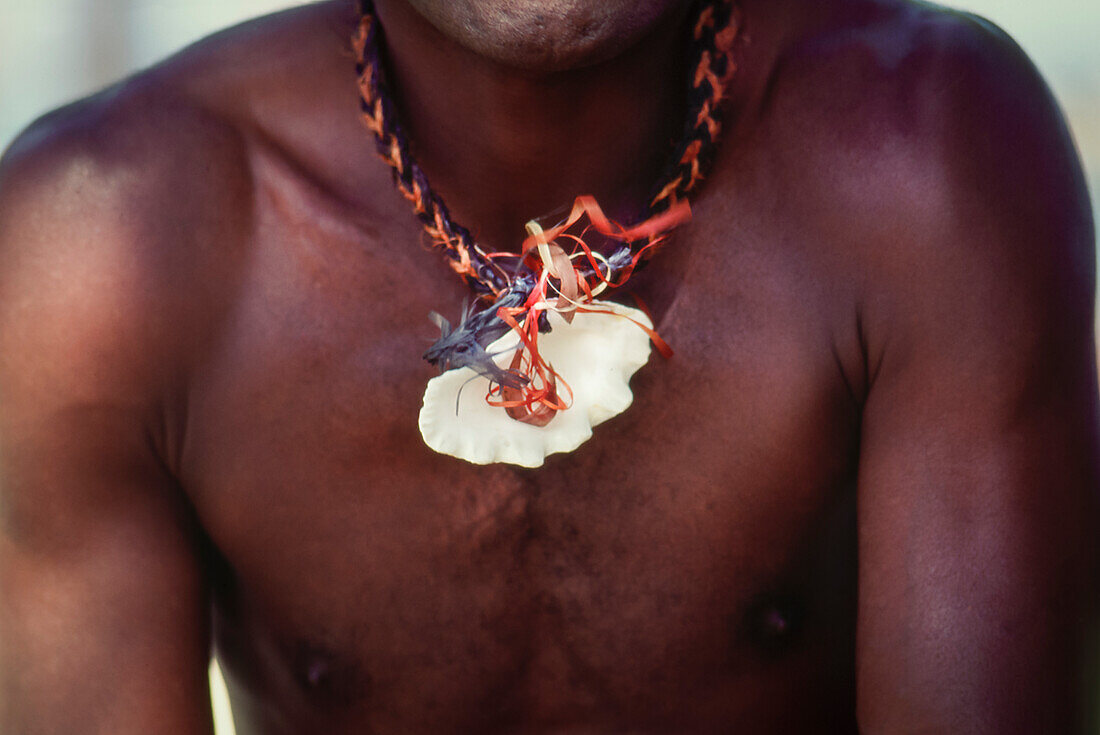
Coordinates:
(118,209)
(128,150)
(904,77)
(923,154)
(160,165)
(182,121)
(926,133)
(119,190)
(900,57)
(193,110)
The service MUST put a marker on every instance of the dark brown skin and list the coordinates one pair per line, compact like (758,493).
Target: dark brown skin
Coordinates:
(212,305)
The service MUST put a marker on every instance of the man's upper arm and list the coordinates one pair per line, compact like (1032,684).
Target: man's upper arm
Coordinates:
(103,606)
(979,465)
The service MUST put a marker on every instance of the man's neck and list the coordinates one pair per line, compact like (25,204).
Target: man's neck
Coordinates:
(502,146)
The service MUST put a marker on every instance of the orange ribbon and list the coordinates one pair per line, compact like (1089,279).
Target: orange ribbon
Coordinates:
(539,400)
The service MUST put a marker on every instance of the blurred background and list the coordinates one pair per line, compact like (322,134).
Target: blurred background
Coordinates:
(53,52)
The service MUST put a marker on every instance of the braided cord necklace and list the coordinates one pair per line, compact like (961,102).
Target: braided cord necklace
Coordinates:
(515,292)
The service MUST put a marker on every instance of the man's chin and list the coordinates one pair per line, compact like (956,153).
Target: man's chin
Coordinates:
(547,36)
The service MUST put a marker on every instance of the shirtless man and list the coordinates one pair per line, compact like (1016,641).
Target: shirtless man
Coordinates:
(212,305)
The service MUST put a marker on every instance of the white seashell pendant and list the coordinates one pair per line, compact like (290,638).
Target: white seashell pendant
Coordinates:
(596,355)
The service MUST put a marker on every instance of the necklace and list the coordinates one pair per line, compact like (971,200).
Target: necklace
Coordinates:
(540,306)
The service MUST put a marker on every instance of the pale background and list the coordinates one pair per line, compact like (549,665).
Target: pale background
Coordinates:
(53,51)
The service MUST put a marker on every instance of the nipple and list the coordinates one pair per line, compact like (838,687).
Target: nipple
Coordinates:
(775,622)
(330,679)
(317,673)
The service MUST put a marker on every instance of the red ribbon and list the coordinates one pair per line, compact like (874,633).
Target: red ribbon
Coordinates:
(540,399)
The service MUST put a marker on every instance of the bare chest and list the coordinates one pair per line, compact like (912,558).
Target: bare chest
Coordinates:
(358,562)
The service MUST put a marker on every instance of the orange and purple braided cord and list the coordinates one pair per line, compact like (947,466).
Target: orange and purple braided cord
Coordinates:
(711,63)
(513,298)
